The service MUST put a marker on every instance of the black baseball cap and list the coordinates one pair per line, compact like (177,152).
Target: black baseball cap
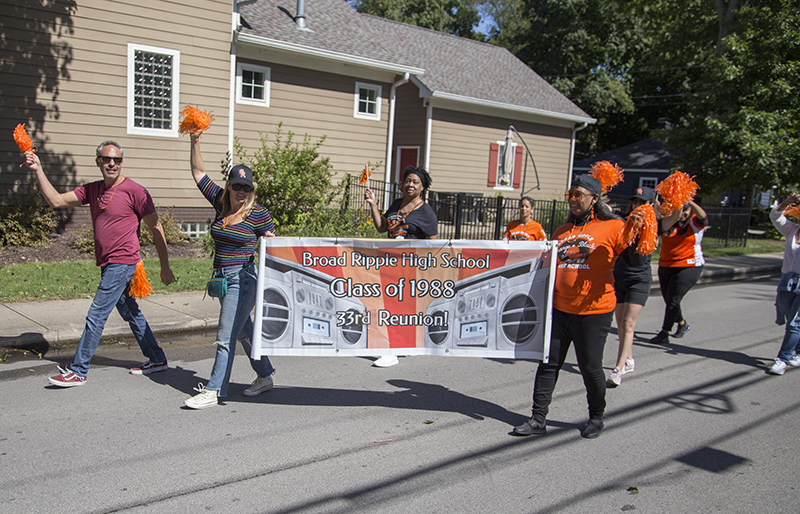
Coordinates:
(647,194)
(241,174)
(589,183)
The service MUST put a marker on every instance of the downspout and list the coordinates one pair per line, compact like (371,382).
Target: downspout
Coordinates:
(390,137)
(575,130)
(428,130)
(236,25)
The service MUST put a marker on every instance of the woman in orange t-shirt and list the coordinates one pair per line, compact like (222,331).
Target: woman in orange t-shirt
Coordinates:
(524,229)
(583,302)
(680,265)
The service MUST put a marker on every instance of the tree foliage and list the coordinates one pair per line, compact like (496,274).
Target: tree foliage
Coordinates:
(457,17)
(743,124)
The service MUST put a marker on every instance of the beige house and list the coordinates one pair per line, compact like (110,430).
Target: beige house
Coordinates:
(78,72)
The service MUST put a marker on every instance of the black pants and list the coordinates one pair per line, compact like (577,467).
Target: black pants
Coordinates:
(588,332)
(675,283)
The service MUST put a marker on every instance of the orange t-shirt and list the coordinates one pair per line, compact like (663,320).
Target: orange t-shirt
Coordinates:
(532,231)
(680,246)
(585,274)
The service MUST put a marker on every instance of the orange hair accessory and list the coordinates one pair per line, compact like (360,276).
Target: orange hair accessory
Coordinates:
(642,223)
(140,287)
(364,176)
(677,190)
(194,120)
(609,175)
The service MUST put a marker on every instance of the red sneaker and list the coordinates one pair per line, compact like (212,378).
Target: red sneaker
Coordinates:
(66,378)
(149,367)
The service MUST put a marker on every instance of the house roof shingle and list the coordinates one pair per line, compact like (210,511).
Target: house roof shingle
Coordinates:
(647,155)
(454,67)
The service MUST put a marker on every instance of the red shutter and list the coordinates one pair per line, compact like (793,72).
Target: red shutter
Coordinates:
(494,153)
(519,158)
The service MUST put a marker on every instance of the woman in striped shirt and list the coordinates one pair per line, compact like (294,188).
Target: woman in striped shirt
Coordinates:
(236,228)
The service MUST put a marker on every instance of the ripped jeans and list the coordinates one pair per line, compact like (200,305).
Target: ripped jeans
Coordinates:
(234,320)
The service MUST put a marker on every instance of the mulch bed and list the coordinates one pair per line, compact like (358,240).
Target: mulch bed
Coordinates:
(61,248)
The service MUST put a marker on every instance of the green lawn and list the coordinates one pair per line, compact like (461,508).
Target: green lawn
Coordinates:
(79,279)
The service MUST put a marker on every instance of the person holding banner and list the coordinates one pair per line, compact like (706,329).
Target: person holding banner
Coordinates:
(583,302)
(408,217)
(238,224)
(524,229)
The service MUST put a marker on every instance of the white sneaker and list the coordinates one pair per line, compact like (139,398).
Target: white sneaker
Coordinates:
(259,385)
(615,378)
(205,398)
(386,361)
(778,368)
(794,361)
(628,367)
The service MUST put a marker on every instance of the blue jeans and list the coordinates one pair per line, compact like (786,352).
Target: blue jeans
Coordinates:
(113,292)
(788,305)
(235,322)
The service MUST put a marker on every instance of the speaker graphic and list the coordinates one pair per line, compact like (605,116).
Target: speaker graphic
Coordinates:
(498,309)
(299,310)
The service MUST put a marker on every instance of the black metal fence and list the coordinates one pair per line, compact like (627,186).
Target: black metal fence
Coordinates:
(473,216)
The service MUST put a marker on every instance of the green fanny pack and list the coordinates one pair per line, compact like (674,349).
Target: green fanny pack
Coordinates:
(217,287)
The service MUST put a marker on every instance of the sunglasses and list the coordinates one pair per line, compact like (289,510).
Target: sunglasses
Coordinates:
(107,159)
(241,187)
(576,196)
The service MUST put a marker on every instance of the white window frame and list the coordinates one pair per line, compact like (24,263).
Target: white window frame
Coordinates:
(647,181)
(240,68)
(175,91)
(501,148)
(378,95)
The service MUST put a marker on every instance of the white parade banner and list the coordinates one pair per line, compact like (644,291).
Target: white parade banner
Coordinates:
(375,297)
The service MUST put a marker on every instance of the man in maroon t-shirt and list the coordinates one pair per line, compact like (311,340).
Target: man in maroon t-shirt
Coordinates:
(117,205)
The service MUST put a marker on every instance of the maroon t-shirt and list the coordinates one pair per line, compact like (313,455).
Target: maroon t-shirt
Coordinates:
(116,213)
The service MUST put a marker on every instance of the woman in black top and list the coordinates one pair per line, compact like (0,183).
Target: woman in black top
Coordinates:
(632,281)
(408,217)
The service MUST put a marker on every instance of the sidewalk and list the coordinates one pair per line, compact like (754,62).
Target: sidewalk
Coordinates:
(60,322)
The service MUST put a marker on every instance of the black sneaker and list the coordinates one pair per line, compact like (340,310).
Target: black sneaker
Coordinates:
(681,330)
(592,429)
(660,338)
(531,427)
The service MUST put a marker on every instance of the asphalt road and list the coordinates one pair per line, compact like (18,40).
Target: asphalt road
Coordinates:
(699,427)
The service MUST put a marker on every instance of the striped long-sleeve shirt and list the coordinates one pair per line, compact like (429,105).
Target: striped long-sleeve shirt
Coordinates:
(234,245)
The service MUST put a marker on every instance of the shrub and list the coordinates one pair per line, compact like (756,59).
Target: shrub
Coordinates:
(172,231)
(84,239)
(294,181)
(27,219)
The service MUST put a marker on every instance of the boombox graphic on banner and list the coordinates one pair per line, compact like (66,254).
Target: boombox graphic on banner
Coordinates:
(373,297)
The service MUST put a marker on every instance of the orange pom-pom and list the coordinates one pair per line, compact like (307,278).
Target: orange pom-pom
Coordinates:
(793,211)
(22,138)
(677,190)
(609,175)
(194,120)
(642,223)
(140,287)
(364,176)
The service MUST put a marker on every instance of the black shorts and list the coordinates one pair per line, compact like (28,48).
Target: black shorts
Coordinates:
(632,290)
